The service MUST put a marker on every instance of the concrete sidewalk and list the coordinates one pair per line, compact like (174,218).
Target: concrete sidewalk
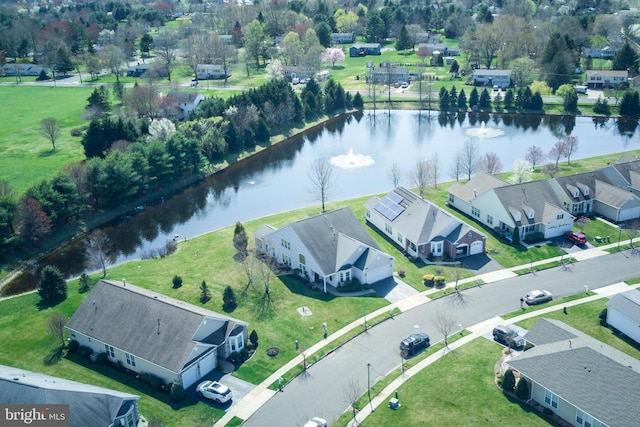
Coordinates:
(261,393)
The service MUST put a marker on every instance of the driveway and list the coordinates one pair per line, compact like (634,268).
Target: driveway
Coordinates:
(240,388)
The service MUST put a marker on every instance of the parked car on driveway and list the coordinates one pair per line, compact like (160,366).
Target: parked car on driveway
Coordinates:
(414,343)
(215,391)
(538,297)
(508,336)
(576,237)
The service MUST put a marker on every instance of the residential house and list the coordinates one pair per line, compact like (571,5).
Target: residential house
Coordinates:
(148,71)
(608,192)
(227,38)
(340,38)
(181,104)
(331,249)
(580,379)
(211,71)
(501,78)
(623,313)
(19,69)
(437,48)
(603,79)
(89,405)
(628,167)
(389,74)
(151,333)
(420,228)
(364,49)
(532,207)
(603,52)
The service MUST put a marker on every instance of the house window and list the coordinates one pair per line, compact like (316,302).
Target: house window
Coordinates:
(131,360)
(301,258)
(368,213)
(400,238)
(237,342)
(436,248)
(286,260)
(451,198)
(560,216)
(109,350)
(529,228)
(586,420)
(475,212)
(285,244)
(489,220)
(551,399)
(388,229)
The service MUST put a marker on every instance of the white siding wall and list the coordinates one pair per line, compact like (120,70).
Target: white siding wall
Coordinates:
(623,324)
(141,364)
(557,227)
(489,204)
(565,410)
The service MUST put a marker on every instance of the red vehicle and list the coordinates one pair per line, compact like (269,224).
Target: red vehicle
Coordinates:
(575,237)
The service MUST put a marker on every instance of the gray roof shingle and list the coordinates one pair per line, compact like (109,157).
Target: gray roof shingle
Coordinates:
(628,304)
(88,405)
(587,373)
(536,195)
(146,324)
(478,184)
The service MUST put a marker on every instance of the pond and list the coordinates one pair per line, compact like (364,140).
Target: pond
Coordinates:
(363,148)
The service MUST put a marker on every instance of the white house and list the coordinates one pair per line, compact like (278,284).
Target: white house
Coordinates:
(604,52)
(89,405)
(531,207)
(151,333)
(389,74)
(600,79)
(182,103)
(420,228)
(580,379)
(211,71)
(331,249)
(501,78)
(18,69)
(623,313)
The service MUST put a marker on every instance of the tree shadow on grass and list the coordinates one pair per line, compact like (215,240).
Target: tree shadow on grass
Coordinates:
(54,356)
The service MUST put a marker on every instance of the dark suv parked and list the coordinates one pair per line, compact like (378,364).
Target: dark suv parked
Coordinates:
(507,336)
(414,343)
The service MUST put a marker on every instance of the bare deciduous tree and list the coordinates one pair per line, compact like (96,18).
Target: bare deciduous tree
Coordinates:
(435,169)
(166,47)
(395,174)
(50,130)
(571,146)
(534,155)
(469,157)
(56,324)
(322,182)
(455,169)
(490,163)
(351,392)
(420,175)
(445,324)
(97,251)
(632,229)
(558,151)
(550,169)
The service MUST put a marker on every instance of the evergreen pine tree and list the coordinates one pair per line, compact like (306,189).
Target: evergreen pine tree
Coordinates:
(508,381)
(229,299)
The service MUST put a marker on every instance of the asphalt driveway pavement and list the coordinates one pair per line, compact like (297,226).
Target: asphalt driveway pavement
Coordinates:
(240,388)
(325,388)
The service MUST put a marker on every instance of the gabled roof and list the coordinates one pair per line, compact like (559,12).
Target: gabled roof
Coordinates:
(89,405)
(536,195)
(608,73)
(146,324)
(587,373)
(627,168)
(492,72)
(628,304)
(612,195)
(331,237)
(478,184)
(184,97)
(421,221)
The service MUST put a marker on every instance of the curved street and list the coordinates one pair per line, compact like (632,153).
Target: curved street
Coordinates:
(323,390)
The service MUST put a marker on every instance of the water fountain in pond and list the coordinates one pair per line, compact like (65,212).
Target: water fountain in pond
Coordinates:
(351,160)
(484,132)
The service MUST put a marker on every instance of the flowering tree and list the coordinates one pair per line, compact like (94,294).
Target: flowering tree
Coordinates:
(274,70)
(161,129)
(333,55)
(521,172)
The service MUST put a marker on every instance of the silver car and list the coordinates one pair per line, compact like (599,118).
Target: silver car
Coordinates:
(538,297)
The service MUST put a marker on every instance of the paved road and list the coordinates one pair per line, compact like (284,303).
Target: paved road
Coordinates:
(324,389)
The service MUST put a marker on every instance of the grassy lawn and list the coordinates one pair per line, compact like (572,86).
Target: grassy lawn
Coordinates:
(26,157)
(584,317)
(458,390)
(530,308)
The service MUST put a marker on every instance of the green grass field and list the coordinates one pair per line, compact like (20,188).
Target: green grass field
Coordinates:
(26,157)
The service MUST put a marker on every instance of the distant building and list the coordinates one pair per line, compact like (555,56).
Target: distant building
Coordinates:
(389,74)
(501,78)
(180,104)
(211,71)
(339,38)
(364,49)
(602,79)
(16,69)
(148,70)
(603,52)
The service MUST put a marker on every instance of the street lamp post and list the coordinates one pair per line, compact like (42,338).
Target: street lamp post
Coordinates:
(369,385)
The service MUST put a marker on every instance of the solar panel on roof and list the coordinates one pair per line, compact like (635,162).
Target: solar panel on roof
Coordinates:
(389,208)
(394,197)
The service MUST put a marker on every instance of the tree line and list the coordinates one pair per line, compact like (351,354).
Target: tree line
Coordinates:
(128,158)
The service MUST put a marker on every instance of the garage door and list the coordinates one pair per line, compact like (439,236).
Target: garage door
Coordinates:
(476,248)
(199,369)
(190,376)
